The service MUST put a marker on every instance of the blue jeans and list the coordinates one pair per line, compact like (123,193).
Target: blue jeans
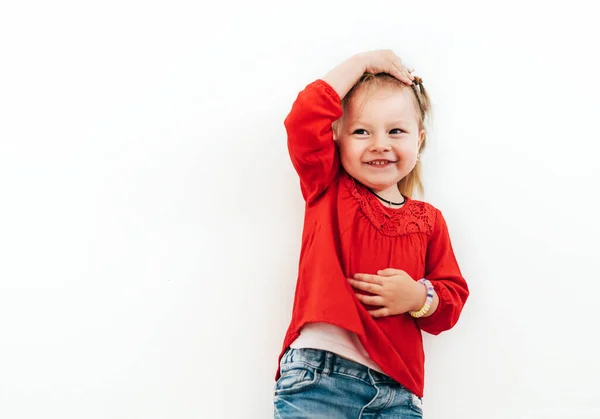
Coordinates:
(320,384)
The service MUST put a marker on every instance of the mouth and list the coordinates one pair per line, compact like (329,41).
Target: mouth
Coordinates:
(380,163)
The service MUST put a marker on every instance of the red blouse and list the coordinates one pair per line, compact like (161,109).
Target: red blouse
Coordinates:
(347,230)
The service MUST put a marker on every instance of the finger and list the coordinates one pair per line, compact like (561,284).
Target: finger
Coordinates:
(372,300)
(390,272)
(380,312)
(404,69)
(365,286)
(401,73)
(373,279)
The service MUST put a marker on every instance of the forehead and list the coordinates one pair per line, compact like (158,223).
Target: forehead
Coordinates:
(382,104)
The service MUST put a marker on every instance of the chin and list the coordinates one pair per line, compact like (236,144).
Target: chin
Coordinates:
(378,184)
(375,181)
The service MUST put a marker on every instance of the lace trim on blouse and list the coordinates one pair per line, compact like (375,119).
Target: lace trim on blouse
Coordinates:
(412,217)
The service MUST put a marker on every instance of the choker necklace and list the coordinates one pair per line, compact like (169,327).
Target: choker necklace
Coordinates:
(389,202)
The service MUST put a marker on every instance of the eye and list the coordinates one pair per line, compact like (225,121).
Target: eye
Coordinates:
(360,131)
(396,131)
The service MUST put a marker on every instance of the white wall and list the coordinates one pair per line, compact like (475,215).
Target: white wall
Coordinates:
(150,219)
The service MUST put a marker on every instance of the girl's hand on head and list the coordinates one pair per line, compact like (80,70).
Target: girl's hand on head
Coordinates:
(386,61)
(345,75)
(394,292)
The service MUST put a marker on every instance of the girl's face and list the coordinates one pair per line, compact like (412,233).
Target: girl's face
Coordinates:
(379,137)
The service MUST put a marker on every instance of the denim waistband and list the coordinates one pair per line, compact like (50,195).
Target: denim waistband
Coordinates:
(327,362)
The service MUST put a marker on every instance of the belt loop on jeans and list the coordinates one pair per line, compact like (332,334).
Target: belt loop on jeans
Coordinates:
(329,362)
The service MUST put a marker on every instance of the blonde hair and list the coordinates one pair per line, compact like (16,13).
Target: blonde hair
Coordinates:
(411,182)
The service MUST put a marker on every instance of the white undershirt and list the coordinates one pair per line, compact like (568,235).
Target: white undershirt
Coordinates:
(328,337)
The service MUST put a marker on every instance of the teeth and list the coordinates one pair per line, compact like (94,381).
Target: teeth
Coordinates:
(379,162)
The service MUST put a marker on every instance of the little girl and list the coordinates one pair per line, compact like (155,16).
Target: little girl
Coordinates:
(376,267)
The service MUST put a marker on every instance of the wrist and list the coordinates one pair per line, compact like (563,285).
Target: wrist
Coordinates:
(420,296)
(345,75)
(429,300)
(360,62)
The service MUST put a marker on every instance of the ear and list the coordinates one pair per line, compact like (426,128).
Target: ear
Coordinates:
(421,137)
(336,127)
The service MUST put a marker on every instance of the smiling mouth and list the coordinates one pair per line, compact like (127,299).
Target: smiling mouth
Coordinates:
(380,162)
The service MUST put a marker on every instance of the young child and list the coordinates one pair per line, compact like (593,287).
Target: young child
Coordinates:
(376,267)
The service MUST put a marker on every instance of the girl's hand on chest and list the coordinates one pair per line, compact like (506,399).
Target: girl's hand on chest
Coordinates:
(393,292)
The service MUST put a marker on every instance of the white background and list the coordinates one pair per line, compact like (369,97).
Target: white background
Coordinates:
(150,218)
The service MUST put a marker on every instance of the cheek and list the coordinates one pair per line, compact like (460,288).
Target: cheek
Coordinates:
(407,151)
(350,152)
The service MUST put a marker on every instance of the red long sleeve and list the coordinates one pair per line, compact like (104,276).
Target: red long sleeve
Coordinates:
(310,137)
(442,270)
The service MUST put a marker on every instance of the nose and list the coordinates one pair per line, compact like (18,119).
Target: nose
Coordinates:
(380,143)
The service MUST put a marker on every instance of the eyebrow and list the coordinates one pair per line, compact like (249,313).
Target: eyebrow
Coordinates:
(396,122)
